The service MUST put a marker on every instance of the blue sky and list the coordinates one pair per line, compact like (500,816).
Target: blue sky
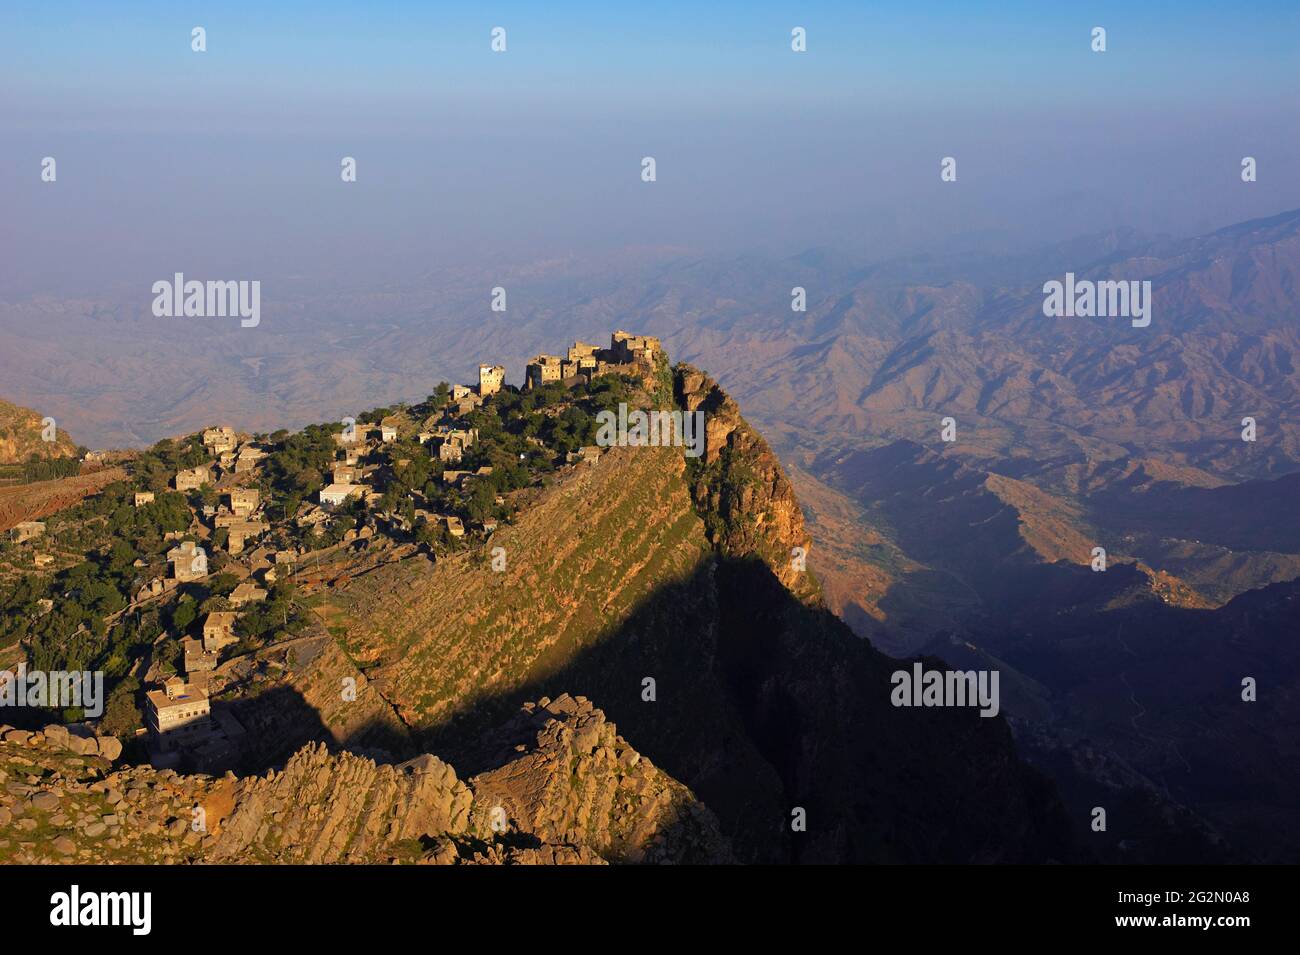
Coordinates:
(902,55)
(230,158)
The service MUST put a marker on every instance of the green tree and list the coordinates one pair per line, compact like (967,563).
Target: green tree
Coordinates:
(184,613)
(121,714)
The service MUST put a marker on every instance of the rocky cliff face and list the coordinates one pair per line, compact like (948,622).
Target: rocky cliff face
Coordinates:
(564,775)
(747,502)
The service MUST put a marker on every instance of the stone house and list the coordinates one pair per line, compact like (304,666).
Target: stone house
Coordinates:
(543,370)
(460,477)
(192,479)
(217,440)
(243,501)
(143,497)
(490,379)
(626,347)
(246,593)
(240,532)
(586,360)
(248,458)
(189,561)
(155,587)
(311,516)
(197,659)
(467,404)
(450,444)
(581,359)
(219,630)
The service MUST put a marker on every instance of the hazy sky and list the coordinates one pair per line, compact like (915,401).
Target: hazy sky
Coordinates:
(226,163)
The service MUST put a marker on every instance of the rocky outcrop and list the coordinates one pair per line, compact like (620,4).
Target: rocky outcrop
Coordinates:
(449,852)
(62,804)
(77,739)
(330,808)
(748,504)
(574,780)
(562,787)
(22,436)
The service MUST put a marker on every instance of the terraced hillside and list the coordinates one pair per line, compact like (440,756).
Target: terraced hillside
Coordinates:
(668,593)
(29,502)
(437,640)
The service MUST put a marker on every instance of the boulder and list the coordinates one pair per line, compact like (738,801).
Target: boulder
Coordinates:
(110,747)
(45,802)
(82,746)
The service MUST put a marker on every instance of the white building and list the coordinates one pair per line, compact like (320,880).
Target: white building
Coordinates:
(332,495)
(178,713)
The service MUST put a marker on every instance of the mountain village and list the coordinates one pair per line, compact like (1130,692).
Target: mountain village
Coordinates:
(238,531)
